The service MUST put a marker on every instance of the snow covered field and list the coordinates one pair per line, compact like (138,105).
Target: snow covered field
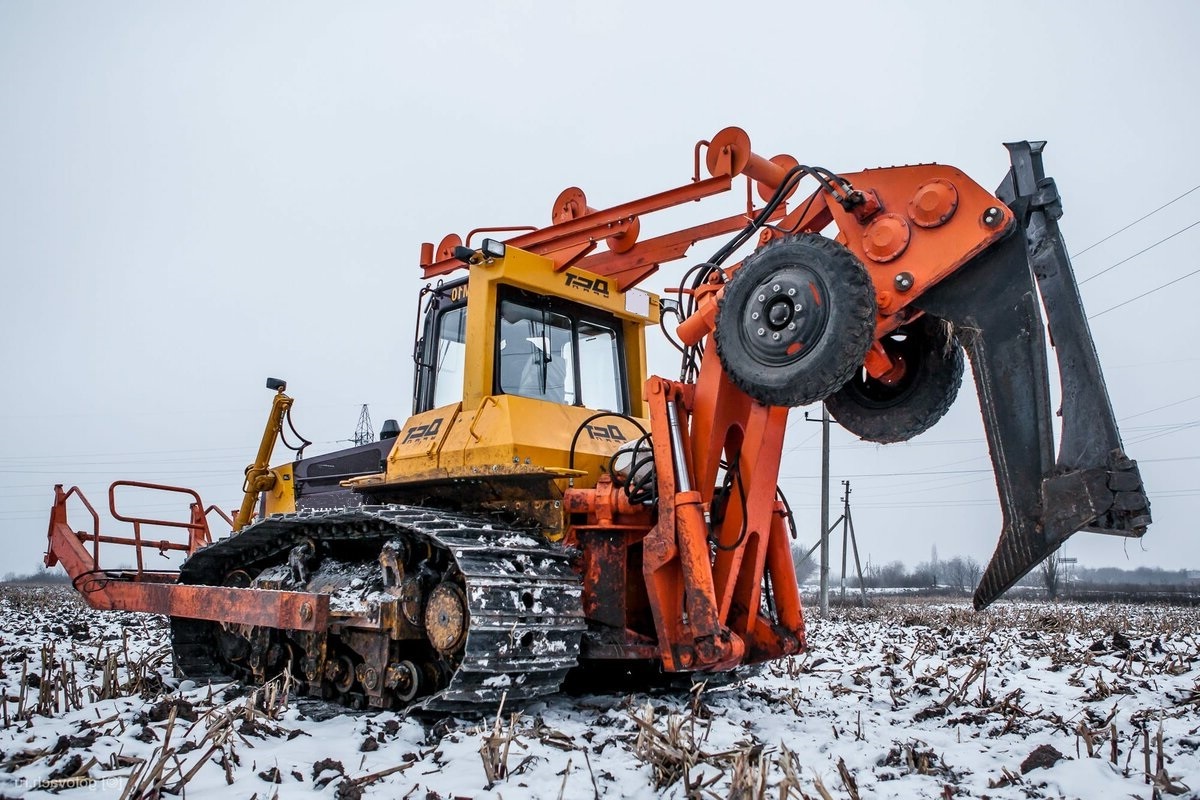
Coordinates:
(905,700)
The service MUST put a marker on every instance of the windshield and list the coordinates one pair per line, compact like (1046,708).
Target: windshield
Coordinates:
(558,355)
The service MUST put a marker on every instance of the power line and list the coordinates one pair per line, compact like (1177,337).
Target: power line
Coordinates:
(1160,408)
(929,504)
(64,471)
(1139,252)
(793,448)
(176,452)
(1181,427)
(916,487)
(891,474)
(1135,222)
(1144,294)
(908,473)
(1158,496)
(234,454)
(1144,364)
(47,489)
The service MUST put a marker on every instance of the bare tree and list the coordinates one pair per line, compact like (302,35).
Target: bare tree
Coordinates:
(974,572)
(955,572)
(961,573)
(804,568)
(924,575)
(892,574)
(1050,575)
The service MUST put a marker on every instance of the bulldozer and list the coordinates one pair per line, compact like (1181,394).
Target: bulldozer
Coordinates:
(551,507)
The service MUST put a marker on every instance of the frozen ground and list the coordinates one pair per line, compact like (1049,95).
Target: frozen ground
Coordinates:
(906,700)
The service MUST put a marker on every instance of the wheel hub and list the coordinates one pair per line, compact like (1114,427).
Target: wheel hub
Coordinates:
(780,313)
(905,349)
(446,617)
(786,315)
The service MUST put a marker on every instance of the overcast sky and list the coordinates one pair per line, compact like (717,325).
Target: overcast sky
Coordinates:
(196,196)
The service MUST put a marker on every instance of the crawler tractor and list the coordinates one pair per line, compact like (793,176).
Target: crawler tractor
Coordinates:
(552,506)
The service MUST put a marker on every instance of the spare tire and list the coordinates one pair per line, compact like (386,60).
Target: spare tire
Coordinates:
(796,320)
(932,361)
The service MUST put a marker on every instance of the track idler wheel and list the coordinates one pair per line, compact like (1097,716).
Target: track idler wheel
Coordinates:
(412,605)
(340,673)
(405,680)
(796,321)
(929,367)
(446,617)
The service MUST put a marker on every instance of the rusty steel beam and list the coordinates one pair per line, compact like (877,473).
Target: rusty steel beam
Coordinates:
(297,611)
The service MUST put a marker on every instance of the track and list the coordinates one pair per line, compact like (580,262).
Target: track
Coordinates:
(524,616)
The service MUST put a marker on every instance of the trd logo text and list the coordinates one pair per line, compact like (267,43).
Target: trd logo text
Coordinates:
(610,433)
(597,285)
(419,432)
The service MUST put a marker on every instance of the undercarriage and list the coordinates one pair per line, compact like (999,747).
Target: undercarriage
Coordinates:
(443,611)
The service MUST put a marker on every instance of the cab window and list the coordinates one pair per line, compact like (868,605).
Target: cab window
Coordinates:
(599,357)
(451,357)
(440,354)
(549,349)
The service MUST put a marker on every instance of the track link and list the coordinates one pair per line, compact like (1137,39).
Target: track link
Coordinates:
(525,614)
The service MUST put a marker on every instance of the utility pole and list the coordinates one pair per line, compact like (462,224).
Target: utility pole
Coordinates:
(364,433)
(824,511)
(824,541)
(849,543)
(845,540)
(848,535)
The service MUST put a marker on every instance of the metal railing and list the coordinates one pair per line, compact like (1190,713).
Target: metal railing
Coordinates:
(197,526)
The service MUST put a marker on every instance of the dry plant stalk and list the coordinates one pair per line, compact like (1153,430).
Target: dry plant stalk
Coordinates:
(494,746)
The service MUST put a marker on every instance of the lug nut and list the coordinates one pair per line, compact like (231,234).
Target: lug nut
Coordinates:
(754,315)
(762,298)
(761,331)
(775,336)
(799,308)
(791,291)
(775,288)
(791,326)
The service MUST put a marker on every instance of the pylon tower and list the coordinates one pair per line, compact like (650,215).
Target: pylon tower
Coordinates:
(364,433)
